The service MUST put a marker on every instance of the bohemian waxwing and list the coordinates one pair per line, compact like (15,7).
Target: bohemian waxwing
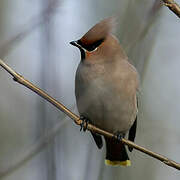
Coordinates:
(105,88)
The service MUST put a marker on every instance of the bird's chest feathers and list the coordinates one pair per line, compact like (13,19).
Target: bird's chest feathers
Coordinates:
(89,73)
(92,81)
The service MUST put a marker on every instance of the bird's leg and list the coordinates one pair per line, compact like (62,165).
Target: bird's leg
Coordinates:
(119,136)
(84,124)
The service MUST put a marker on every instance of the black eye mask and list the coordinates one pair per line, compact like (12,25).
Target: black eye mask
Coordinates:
(91,47)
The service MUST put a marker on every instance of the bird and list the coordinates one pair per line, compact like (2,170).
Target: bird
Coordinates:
(106,87)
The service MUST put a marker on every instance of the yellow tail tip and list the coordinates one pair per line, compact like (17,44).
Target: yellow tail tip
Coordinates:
(118,163)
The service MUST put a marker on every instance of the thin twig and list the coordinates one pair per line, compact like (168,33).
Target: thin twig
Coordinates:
(20,79)
(173,6)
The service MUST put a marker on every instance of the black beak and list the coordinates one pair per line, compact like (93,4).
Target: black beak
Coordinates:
(74,43)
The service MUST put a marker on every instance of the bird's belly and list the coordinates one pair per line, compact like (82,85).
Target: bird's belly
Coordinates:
(108,110)
(118,116)
(118,120)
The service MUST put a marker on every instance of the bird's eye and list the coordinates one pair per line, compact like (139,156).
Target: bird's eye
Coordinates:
(93,46)
(96,44)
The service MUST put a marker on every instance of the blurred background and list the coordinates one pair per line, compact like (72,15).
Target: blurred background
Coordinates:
(39,142)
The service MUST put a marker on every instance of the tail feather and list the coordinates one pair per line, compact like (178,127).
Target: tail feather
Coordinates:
(118,163)
(116,153)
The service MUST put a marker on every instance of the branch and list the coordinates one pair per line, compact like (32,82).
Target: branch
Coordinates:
(20,79)
(173,6)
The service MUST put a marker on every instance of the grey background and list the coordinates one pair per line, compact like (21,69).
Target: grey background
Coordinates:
(39,142)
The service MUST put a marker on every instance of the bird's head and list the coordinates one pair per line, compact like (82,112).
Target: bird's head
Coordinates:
(98,44)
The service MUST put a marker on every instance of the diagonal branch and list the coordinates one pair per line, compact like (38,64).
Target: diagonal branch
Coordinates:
(173,6)
(20,79)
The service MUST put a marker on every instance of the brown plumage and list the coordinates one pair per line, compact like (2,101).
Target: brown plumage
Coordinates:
(105,88)
(99,31)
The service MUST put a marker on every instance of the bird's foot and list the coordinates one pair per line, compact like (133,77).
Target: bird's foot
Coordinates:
(118,136)
(84,124)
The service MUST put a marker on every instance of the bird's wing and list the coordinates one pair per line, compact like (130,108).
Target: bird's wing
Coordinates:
(98,140)
(132,132)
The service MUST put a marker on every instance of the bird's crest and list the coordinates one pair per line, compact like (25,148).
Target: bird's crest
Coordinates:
(99,32)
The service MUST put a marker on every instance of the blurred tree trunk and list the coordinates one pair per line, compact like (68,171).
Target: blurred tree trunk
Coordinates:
(47,66)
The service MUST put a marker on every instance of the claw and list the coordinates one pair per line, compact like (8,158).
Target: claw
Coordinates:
(119,136)
(84,123)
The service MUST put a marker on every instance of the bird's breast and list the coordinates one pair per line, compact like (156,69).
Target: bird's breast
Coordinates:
(102,96)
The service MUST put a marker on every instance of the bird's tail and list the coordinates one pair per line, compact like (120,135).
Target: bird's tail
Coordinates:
(116,154)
